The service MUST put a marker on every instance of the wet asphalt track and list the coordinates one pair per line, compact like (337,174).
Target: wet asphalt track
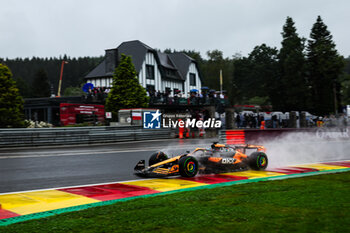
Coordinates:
(53,167)
(41,168)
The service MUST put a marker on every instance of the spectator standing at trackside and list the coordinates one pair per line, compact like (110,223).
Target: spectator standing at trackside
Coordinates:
(176,96)
(249,120)
(241,121)
(204,94)
(261,118)
(238,120)
(166,96)
(345,119)
(253,121)
(319,122)
(326,121)
(333,121)
(274,120)
(341,121)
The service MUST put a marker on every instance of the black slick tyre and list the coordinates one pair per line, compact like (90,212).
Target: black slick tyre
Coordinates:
(258,161)
(188,166)
(157,157)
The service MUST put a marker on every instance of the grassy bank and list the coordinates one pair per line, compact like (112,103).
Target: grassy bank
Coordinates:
(311,204)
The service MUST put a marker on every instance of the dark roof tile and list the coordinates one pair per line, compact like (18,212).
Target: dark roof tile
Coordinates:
(178,62)
(99,71)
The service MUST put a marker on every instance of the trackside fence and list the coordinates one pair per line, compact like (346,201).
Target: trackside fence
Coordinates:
(78,135)
(251,136)
(232,136)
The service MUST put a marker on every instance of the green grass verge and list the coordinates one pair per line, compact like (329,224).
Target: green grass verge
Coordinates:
(310,204)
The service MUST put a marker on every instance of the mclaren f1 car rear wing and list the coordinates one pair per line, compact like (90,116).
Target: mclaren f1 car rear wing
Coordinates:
(243,147)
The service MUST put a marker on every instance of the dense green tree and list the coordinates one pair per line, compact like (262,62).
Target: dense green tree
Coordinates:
(287,79)
(211,68)
(24,89)
(325,66)
(195,55)
(11,103)
(126,91)
(255,76)
(215,55)
(263,74)
(211,73)
(345,89)
(242,81)
(292,82)
(73,74)
(345,83)
(73,91)
(41,86)
(347,65)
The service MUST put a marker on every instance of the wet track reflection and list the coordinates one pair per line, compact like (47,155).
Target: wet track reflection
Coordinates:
(41,168)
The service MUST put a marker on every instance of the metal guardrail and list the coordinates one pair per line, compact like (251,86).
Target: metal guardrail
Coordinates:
(78,135)
(237,136)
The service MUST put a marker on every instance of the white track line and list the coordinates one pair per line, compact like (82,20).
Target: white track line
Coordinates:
(117,182)
(89,152)
(83,145)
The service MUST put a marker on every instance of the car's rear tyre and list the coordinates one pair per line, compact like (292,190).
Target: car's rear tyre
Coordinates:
(188,166)
(157,157)
(258,161)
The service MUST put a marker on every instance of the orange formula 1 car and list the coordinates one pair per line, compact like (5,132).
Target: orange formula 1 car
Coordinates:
(219,158)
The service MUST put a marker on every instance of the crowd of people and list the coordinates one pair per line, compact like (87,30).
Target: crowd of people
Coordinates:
(254,120)
(244,119)
(332,121)
(168,97)
(191,98)
(97,94)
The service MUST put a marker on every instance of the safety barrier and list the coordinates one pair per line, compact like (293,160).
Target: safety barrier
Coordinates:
(241,136)
(232,136)
(78,135)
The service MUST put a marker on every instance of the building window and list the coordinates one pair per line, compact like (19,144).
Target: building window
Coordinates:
(192,79)
(149,72)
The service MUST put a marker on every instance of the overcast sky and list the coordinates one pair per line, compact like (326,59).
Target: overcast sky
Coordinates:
(45,28)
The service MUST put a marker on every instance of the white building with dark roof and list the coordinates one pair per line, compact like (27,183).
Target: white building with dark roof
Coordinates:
(155,70)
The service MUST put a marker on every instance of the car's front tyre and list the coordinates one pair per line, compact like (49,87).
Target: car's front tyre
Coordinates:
(188,166)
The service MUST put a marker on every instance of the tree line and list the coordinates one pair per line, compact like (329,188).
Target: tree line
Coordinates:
(304,74)
(37,77)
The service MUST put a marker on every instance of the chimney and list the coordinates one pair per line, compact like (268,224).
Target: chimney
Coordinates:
(111,60)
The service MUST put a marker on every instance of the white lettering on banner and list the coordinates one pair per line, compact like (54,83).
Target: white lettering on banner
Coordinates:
(199,124)
(322,133)
(82,106)
(207,124)
(84,109)
(149,125)
(191,123)
(181,124)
